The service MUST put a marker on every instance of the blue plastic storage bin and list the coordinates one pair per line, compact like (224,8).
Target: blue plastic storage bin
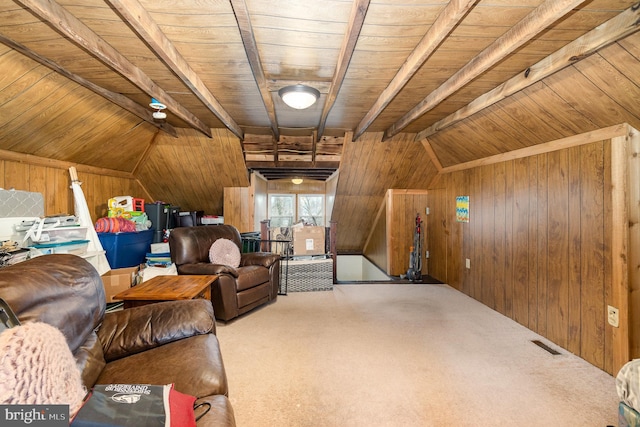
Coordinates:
(126,249)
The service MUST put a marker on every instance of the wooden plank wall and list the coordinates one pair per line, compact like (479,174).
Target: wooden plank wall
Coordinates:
(51,178)
(633,203)
(375,248)
(389,243)
(538,241)
(239,208)
(402,207)
(259,190)
(191,171)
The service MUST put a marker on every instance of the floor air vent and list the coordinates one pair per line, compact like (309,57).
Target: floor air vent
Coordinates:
(545,347)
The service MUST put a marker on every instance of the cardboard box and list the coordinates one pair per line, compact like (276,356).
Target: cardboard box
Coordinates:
(308,240)
(118,280)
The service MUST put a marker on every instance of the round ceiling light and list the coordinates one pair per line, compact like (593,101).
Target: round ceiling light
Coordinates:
(297,181)
(299,96)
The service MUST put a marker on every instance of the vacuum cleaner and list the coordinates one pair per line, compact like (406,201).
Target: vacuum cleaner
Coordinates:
(415,260)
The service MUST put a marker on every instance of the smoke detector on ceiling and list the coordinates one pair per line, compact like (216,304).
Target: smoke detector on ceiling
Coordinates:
(158,106)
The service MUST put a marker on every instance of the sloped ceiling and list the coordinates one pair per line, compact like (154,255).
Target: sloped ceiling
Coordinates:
(406,88)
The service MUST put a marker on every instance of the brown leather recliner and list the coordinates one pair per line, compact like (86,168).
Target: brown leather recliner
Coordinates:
(255,282)
(163,343)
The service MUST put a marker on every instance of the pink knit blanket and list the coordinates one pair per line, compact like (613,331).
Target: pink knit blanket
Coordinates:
(37,368)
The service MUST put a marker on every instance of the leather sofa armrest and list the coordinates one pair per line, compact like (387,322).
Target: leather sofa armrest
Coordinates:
(206,268)
(126,332)
(264,259)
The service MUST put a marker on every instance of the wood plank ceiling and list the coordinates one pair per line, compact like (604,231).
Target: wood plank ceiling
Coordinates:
(406,88)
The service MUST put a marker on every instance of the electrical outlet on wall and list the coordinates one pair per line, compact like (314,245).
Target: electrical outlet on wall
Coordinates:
(612,316)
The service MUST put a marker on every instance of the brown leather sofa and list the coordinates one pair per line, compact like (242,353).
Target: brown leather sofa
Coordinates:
(163,343)
(237,290)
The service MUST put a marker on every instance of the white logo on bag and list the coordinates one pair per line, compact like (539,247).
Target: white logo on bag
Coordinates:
(125,398)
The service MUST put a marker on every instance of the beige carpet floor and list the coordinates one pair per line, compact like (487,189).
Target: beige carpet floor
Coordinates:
(402,355)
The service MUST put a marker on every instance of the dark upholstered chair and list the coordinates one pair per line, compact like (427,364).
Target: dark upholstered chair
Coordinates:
(237,290)
(170,342)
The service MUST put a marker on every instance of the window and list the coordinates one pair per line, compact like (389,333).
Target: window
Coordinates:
(287,209)
(281,210)
(311,208)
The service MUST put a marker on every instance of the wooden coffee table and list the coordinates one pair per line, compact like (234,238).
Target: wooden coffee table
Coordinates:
(167,288)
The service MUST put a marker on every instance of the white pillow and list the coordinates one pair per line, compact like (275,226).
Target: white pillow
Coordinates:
(224,252)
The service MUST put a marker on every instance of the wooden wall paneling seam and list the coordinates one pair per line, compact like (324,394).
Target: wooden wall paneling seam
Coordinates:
(465,188)
(521,241)
(574,260)
(601,109)
(592,238)
(499,208)
(613,83)
(620,249)
(38,179)
(542,227)
(541,101)
(145,154)
(521,105)
(353,151)
(17,175)
(475,217)
(61,103)
(455,239)
(454,188)
(633,258)
(435,222)
(567,118)
(608,255)
(509,238)
(557,310)
(623,61)
(532,286)
(488,232)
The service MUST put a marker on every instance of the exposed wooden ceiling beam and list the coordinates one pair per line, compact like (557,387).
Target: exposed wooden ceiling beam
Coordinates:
(356,20)
(269,172)
(609,32)
(442,26)
(118,99)
(142,22)
(531,25)
(251,48)
(83,36)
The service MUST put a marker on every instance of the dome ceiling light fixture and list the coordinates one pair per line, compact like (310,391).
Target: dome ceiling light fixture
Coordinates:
(158,106)
(299,96)
(297,181)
